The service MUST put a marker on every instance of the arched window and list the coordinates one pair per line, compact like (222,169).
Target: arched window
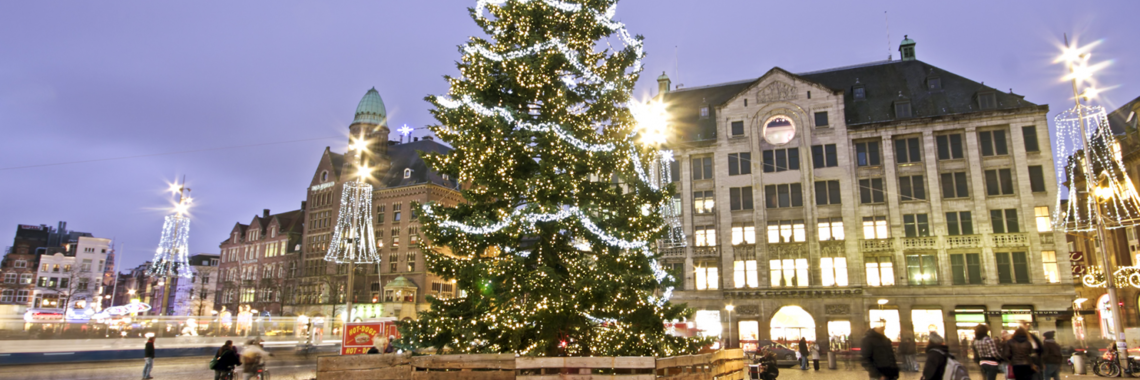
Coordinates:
(324,176)
(408,173)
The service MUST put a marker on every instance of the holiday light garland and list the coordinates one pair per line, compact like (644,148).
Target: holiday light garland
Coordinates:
(353,240)
(172,256)
(1117,197)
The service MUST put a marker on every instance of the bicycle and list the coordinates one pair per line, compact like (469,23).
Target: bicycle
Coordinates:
(1108,366)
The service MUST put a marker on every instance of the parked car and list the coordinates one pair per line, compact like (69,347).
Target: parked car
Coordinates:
(784,355)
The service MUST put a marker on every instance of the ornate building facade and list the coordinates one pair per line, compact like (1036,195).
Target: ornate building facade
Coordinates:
(893,192)
(258,262)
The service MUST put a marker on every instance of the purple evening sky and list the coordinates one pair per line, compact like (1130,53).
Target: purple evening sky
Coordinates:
(91,80)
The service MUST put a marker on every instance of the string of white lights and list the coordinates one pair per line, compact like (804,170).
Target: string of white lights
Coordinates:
(1114,194)
(352,239)
(532,218)
(172,255)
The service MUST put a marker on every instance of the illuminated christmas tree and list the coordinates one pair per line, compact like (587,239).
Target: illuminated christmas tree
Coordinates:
(552,251)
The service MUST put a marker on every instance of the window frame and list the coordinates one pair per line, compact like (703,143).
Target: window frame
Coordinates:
(912,188)
(1029,139)
(957,223)
(927,264)
(732,128)
(1007,219)
(993,143)
(740,198)
(878,224)
(1009,270)
(869,193)
(824,156)
(831,226)
(871,151)
(785,195)
(826,121)
(771,160)
(916,225)
(998,184)
(831,195)
(958,184)
(739,163)
(964,271)
(1037,179)
(908,150)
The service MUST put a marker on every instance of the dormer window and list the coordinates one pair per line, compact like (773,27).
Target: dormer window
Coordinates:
(445,178)
(407,173)
(860,92)
(705,112)
(987,100)
(902,109)
(934,83)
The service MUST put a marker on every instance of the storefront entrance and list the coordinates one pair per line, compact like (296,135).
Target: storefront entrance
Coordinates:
(890,317)
(792,323)
(926,321)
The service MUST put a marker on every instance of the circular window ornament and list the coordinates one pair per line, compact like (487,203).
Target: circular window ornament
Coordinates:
(779,130)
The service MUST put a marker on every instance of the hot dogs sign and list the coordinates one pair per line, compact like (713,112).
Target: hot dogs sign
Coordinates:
(359,337)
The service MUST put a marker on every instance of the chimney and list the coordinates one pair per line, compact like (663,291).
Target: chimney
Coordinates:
(415,139)
(265,213)
(663,84)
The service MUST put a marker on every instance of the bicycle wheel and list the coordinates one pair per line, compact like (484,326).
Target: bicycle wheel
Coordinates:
(1106,369)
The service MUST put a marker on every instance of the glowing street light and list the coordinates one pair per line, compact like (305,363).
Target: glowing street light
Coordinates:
(652,121)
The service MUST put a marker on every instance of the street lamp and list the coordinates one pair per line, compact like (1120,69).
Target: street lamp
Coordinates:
(728,340)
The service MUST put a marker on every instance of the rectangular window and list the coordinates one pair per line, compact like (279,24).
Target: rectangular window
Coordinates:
(821,119)
(778,160)
(922,269)
(1029,134)
(959,223)
(993,143)
(780,196)
(911,188)
(966,268)
(1004,221)
(824,156)
(830,229)
(707,277)
(867,154)
(740,198)
(949,147)
(703,202)
(859,93)
(396,216)
(738,128)
(999,182)
(745,274)
(908,150)
(987,101)
(827,193)
(704,236)
(1036,179)
(871,190)
(915,225)
(1013,267)
(786,231)
(788,273)
(1049,258)
(1044,222)
(875,227)
(833,271)
(10,278)
(739,163)
(743,233)
(702,168)
(902,110)
(880,271)
(954,185)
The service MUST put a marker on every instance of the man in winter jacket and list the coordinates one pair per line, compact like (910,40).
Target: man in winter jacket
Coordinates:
(878,355)
(148,354)
(936,354)
(803,349)
(1052,357)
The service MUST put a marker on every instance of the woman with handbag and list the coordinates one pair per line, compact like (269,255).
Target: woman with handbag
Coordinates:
(1022,352)
(225,361)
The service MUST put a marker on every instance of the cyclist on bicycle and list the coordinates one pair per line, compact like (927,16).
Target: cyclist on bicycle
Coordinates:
(252,359)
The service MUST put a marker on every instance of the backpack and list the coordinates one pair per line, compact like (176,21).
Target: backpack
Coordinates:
(954,370)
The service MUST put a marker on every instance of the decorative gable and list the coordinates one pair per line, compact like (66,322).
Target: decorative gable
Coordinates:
(776,91)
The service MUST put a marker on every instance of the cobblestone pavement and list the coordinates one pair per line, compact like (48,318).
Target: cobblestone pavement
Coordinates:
(794,373)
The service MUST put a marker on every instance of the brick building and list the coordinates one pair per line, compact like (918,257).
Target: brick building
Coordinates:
(890,192)
(397,286)
(258,261)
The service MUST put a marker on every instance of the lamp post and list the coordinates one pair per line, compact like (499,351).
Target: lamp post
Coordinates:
(728,339)
(1077,62)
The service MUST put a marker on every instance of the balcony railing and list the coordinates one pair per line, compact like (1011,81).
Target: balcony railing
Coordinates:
(922,242)
(963,241)
(1009,240)
(672,253)
(872,245)
(706,251)
(1047,238)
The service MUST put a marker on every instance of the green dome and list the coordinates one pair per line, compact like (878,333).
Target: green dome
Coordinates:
(663,76)
(371,109)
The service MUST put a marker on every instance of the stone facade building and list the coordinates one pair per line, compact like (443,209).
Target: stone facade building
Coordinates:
(48,267)
(196,295)
(258,262)
(396,287)
(891,192)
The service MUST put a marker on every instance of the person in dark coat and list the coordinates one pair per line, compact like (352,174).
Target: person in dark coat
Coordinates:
(227,360)
(803,353)
(1052,357)
(1022,352)
(768,366)
(878,355)
(936,354)
(148,355)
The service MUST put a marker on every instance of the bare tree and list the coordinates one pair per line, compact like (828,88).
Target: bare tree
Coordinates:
(201,292)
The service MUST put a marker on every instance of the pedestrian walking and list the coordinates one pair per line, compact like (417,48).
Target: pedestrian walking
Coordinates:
(909,351)
(878,355)
(803,350)
(936,354)
(1022,353)
(227,359)
(986,353)
(814,349)
(148,354)
(1052,357)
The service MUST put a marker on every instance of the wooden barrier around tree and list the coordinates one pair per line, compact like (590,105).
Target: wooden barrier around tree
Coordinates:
(720,365)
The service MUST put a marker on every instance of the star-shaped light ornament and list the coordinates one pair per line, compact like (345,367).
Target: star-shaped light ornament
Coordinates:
(405,130)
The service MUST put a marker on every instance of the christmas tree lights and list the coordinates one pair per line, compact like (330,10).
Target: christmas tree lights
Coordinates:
(1112,189)
(171,258)
(354,240)
(551,250)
